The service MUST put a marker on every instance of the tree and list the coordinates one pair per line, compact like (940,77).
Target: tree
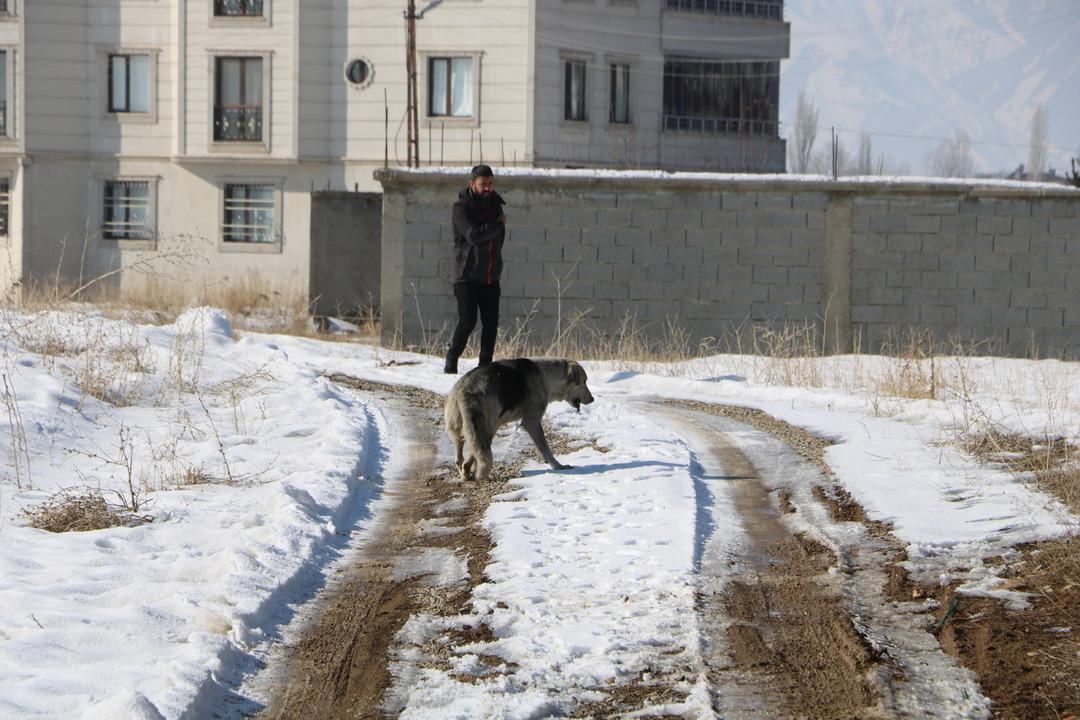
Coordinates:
(864,162)
(803,135)
(1037,145)
(953,157)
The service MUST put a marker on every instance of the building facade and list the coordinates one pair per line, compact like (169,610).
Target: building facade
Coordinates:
(183,141)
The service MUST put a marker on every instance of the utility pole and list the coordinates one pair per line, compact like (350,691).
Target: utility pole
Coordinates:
(412,114)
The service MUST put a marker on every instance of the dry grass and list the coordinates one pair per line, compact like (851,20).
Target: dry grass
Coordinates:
(1051,463)
(79,511)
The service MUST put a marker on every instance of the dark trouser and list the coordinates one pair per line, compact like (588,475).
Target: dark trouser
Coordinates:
(473,296)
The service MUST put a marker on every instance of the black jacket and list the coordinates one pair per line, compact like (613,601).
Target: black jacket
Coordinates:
(478,238)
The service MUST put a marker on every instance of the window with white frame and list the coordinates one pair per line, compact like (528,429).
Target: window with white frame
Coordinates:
(126,213)
(450,87)
(5,126)
(238,99)
(5,205)
(620,94)
(129,83)
(574,106)
(238,8)
(250,213)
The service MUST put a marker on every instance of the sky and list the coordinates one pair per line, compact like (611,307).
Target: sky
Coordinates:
(913,72)
(594,571)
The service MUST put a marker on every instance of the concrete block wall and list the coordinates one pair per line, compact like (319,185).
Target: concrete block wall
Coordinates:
(863,263)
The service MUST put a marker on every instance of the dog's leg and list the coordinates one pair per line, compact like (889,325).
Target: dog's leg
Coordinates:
(536,432)
(467,469)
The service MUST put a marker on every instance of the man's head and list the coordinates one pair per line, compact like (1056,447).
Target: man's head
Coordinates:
(482,180)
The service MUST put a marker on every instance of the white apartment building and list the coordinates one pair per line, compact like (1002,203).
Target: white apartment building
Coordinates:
(192,138)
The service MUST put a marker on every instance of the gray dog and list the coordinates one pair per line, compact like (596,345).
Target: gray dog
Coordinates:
(489,397)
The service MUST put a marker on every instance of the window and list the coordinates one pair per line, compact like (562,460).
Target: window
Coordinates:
(575,90)
(3,92)
(450,87)
(5,205)
(238,8)
(250,213)
(620,94)
(129,83)
(126,213)
(721,97)
(764,9)
(5,8)
(238,110)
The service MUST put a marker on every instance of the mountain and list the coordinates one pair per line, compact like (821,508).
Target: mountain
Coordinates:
(912,72)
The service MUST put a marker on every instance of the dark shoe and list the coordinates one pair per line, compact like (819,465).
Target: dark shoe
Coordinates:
(450,368)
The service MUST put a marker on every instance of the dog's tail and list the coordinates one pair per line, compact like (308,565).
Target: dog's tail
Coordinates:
(476,432)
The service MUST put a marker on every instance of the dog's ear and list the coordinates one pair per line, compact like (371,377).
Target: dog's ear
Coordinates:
(574,373)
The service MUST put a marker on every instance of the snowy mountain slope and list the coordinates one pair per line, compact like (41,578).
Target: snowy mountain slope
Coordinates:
(910,72)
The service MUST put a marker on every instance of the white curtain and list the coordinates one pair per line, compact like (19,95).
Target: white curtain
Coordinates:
(253,83)
(438,87)
(140,83)
(461,92)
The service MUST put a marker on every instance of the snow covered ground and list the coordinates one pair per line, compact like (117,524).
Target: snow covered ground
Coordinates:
(255,468)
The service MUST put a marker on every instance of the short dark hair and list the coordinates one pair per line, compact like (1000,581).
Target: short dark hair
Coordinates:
(480,171)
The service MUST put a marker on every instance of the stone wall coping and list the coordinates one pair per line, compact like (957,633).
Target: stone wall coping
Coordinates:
(546,179)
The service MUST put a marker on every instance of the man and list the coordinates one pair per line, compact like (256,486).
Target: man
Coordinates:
(479,231)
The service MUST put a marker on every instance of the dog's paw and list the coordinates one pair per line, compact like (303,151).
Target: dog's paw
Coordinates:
(560,466)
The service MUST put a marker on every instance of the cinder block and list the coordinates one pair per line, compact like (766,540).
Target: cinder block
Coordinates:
(755,257)
(739,201)
(939,243)
(613,217)
(922,296)
(769,275)
(419,232)
(924,205)
(1072,246)
(698,237)
(685,255)
(598,236)
(973,315)
(976,280)
(1028,298)
(772,237)
(924,224)
(891,223)
(740,238)
(868,241)
(699,309)
(1011,280)
(985,262)
(812,294)
(648,254)
(545,253)
(885,260)
(580,253)
(1072,318)
(1046,318)
(685,218)
(753,219)
(1050,246)
(787,219)
(718,219)
(957,297)
(809,201)
(536,216)
(1068,227)
(804,311)
(647,290)
(665,272)
(791,256)
(957,263)
(615,255)
(1028,263)
(579,217)
(1055,208)
(422,268)
(700,272)
(1011,244)
(785,293)
(704,201)
(635,237)
(940,279)
(649,218)
(992,297)
(736,274)
(721,255)
(717,292)
(986,225)
(523,271)
(1013,207)
(904,278)
(920,261)
(816,221)
(774,201)
(1030,226)
(645,200)
(937,315)
(805,237)
(672,236)
(868,277)
(611,290)
(977,244)
(768,312)
(680,290)
(1003,317)
(907,242)
(805,275)
(871,205)
(860,222)
(589,198)
(525,234)
(958,224)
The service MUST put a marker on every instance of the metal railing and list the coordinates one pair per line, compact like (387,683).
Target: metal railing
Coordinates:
(250,214)
(761,9)
(3,117)
(5,206)
(720,126)
(238,124)
(238,8)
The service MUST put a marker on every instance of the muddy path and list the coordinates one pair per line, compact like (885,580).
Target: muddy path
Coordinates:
(794,613)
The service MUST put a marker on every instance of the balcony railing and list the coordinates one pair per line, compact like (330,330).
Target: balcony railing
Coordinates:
(720,126)
(3,117)
(238,8)
(238,124)
(4,6)
(761,9)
